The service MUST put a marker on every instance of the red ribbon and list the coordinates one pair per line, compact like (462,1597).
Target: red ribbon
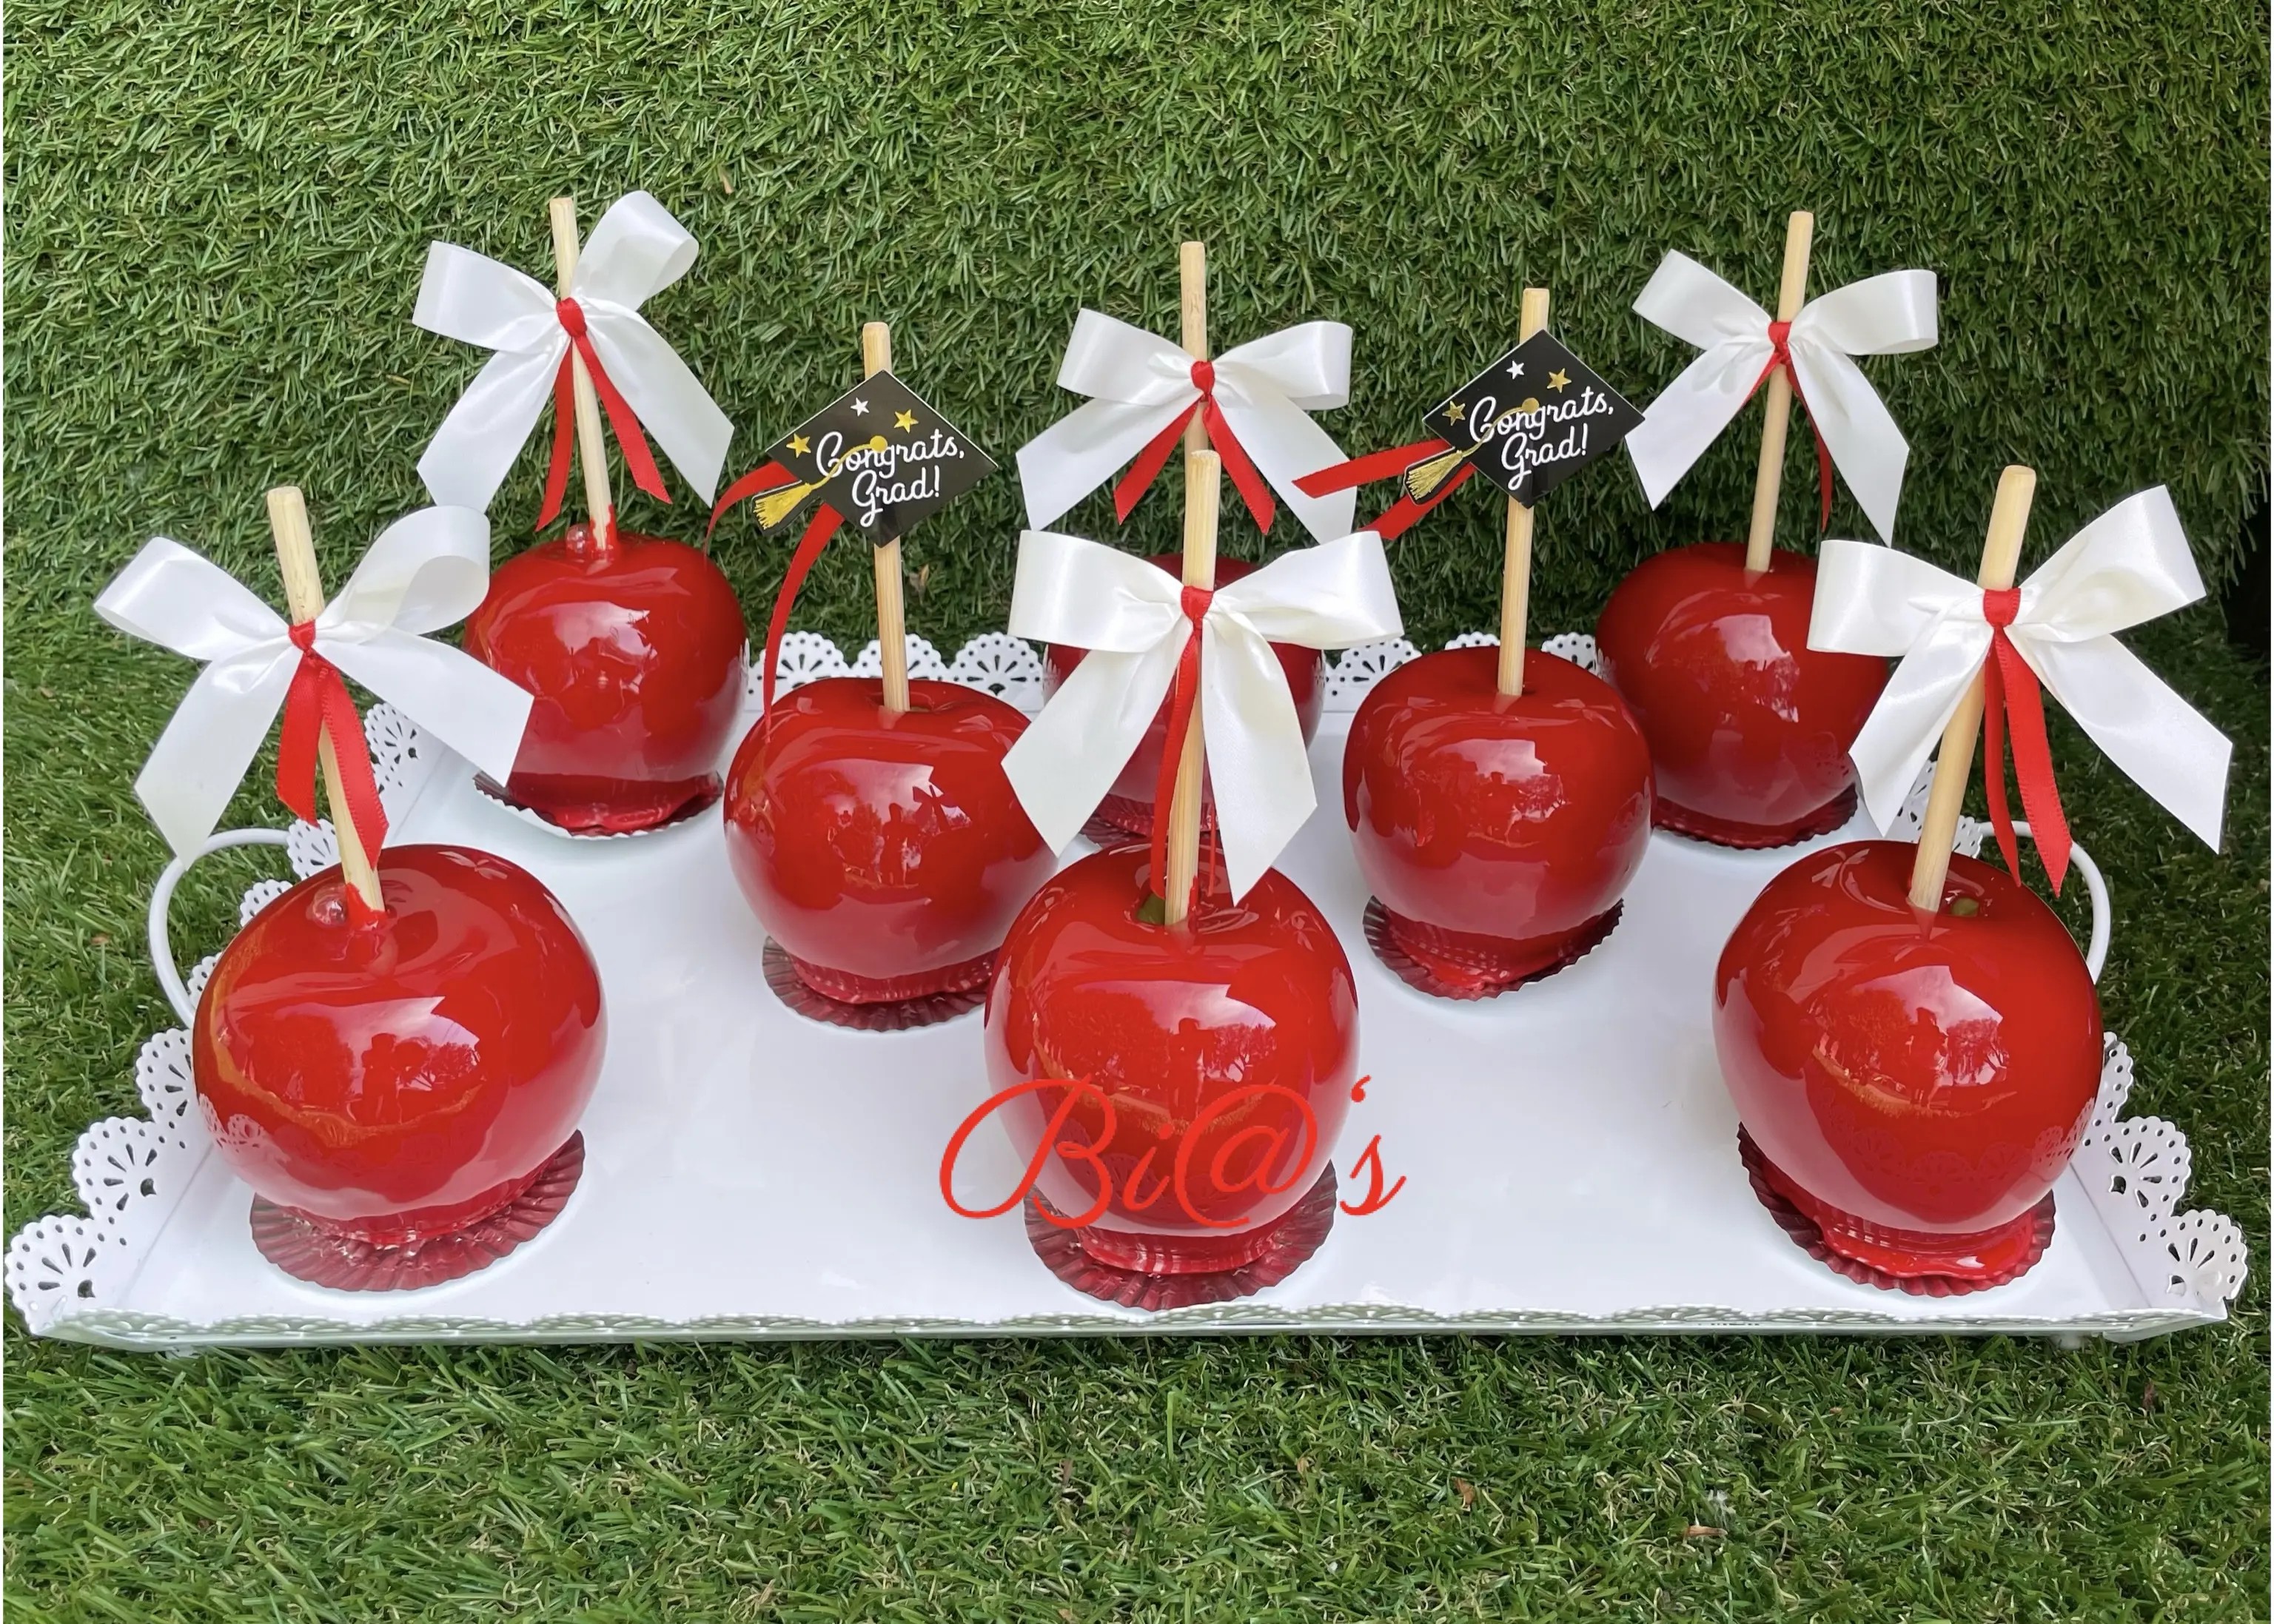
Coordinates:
(1781,355)
(621,416)
(818,529)
(1400,515)
(757,482)
(1181,696)
(2010,692)
(1254,489)
(317,703)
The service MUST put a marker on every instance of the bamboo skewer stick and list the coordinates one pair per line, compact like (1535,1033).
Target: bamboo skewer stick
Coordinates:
(1516,557)
(1192,286)
(2001,558)
(304,600)
(1792,293)
(1203,469)
(891,609)
(1203,486)
(592,446)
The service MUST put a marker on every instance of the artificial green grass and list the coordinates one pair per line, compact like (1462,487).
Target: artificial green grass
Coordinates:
(215,216)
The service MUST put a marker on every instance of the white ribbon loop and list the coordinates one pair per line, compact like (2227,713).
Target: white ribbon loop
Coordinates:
(1890,314)
(2127,566)
(1129,613)
(426,570)
(635,252)
(1140,383)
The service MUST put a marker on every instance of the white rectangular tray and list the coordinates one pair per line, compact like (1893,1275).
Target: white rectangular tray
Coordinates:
(1569,1151)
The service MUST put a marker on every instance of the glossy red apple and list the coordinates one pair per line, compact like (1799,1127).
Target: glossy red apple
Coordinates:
(1495,833)
(887,853)
(1128,805)
(1748,727)
(397,1077)
(1916,1081)
(1226,1047)
(634,651)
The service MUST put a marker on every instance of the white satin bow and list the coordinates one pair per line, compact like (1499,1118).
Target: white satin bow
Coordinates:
(1129,613)
(2129,565)
(1890,314)
(426,570)
(1141,384)
(636,251)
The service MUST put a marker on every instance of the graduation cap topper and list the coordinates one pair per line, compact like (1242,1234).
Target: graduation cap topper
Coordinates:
(880,455)
(1528,422)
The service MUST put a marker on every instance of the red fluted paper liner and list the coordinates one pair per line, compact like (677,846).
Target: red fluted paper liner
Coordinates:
(1293,1239)
(605,826)
(1832,815)
(884,1015)
(322,1256)
(1808,1235)
(1379,937)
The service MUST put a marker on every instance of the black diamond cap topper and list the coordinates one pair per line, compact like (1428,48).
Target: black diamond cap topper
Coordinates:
(1528,422)
(879,456)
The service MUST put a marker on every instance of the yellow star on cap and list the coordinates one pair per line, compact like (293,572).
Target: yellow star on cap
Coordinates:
(1558,380)
(906,420)
(799,445)
(1452,411)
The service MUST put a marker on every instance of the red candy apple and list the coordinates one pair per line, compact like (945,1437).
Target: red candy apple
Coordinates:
(1495,833)
(1917,1082)
(1748,727)
(390,1079)
(1129,804)
(1225,1049)
(885,853)
(634,650)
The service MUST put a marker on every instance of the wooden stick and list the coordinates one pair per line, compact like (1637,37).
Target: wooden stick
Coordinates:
(1792,293)
(1516,556)
(891,609)
(592,446)
(1203,487)
(304,600)
(2001,558)
(1203,470)
(1192,285)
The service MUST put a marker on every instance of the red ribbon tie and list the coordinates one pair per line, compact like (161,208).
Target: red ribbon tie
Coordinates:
(1254,489)
(317,703)
(2010,692)
(818,529)
(1182,695)
(622,417)
(1400,517)
(1781,355)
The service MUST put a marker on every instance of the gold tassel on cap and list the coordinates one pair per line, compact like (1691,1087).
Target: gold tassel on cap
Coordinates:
(775,505)
(1427,477)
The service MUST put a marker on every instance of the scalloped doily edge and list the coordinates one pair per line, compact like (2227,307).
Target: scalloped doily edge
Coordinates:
(65,1270)
(1012,669)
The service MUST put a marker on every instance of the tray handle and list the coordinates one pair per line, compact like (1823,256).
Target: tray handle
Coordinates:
(2095,887)
(161,897)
